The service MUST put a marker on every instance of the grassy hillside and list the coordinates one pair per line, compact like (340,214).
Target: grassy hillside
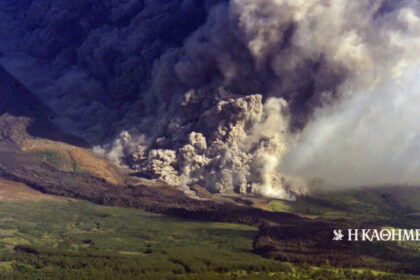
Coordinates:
(70,158)
(70,239)
(82,226)
(384,206)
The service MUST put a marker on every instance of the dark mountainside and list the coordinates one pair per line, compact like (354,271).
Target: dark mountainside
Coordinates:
(283,236)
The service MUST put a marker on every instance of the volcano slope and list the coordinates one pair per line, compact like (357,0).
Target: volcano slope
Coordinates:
(39,163)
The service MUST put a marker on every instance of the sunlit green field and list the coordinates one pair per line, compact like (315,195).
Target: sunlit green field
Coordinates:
(80,240)
(82,226)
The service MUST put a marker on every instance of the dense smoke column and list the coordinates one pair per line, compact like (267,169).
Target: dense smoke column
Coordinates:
(304,55)
(211,93)
(92,59)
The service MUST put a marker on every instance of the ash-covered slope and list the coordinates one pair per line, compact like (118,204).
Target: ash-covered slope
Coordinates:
(34,151)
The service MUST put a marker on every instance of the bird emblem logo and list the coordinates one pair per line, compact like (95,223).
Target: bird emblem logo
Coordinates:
(338,235)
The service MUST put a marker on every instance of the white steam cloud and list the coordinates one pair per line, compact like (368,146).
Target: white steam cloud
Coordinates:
(371,139)
(241,95)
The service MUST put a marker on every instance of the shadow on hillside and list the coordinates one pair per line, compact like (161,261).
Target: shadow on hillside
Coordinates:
(21,111)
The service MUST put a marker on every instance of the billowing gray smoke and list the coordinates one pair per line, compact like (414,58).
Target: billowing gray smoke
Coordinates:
(245,95)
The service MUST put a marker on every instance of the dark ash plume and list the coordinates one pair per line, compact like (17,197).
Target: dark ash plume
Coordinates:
(219,93)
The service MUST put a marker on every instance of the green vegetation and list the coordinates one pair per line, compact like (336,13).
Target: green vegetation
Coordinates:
(386,206)
(59,160)
(80,240)
(52,157)
(100,267)
(82,226)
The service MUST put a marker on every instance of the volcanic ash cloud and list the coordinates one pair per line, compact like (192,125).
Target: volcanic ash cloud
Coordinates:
(249,96)
(305,59)
(234,145)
